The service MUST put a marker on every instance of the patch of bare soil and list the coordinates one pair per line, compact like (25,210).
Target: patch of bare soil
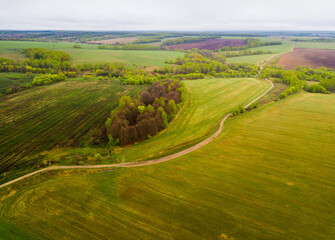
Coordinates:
(314,58)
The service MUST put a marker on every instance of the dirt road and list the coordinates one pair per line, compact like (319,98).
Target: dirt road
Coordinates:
(144,163)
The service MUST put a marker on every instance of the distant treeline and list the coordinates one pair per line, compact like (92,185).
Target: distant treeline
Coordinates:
(8,38)
(138,45)
(152,39)
(313,40)
(183,40)
(130,47)
(246,53)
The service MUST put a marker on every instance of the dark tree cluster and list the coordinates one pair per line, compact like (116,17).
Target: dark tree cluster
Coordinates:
(136,120)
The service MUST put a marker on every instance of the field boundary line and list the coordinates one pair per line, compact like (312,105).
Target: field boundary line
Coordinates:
(144,163)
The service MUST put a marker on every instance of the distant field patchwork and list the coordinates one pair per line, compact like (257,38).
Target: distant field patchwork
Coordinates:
(90,54)
(211,44)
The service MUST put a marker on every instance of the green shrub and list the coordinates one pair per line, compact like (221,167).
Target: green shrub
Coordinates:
(238,111)
(316,88)
(252,106)
(48,78)
(98,156)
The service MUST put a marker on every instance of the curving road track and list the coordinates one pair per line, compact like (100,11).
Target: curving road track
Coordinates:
(144,163)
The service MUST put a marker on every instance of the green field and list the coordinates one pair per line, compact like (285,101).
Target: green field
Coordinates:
(52,116)
(207,102)
(269,175)
(276,49)
(8,79)
(314,45)
(90,54)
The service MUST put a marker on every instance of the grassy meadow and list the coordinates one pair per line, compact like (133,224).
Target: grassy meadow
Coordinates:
(8,79)
(90,54)
(276,49)
(269,175)
(207,102)
(52,116)
(321,45)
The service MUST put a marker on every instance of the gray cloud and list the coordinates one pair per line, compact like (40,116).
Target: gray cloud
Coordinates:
(167,15)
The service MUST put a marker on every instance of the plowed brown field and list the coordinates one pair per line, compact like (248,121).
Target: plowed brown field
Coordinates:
(211,44)
(313,58)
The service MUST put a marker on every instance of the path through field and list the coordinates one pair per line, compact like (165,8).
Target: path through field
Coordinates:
(144,163)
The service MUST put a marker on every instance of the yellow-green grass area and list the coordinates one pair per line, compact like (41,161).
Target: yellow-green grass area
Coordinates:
(207,102)
(91,54)
(276,49)
(8,80)
(320,45)
(269,175)
(52,116)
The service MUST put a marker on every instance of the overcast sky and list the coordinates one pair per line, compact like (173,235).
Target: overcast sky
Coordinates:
(167,14)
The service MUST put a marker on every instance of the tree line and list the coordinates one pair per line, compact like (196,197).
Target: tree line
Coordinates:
(183,40)
(130,47)
(197,63)
(296,79)
(38,60)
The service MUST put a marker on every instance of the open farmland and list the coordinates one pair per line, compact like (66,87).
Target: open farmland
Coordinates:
(265,177)
(211,44)
(314,58)
(47,117)
(207,102)
(90,54)
(124,40)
